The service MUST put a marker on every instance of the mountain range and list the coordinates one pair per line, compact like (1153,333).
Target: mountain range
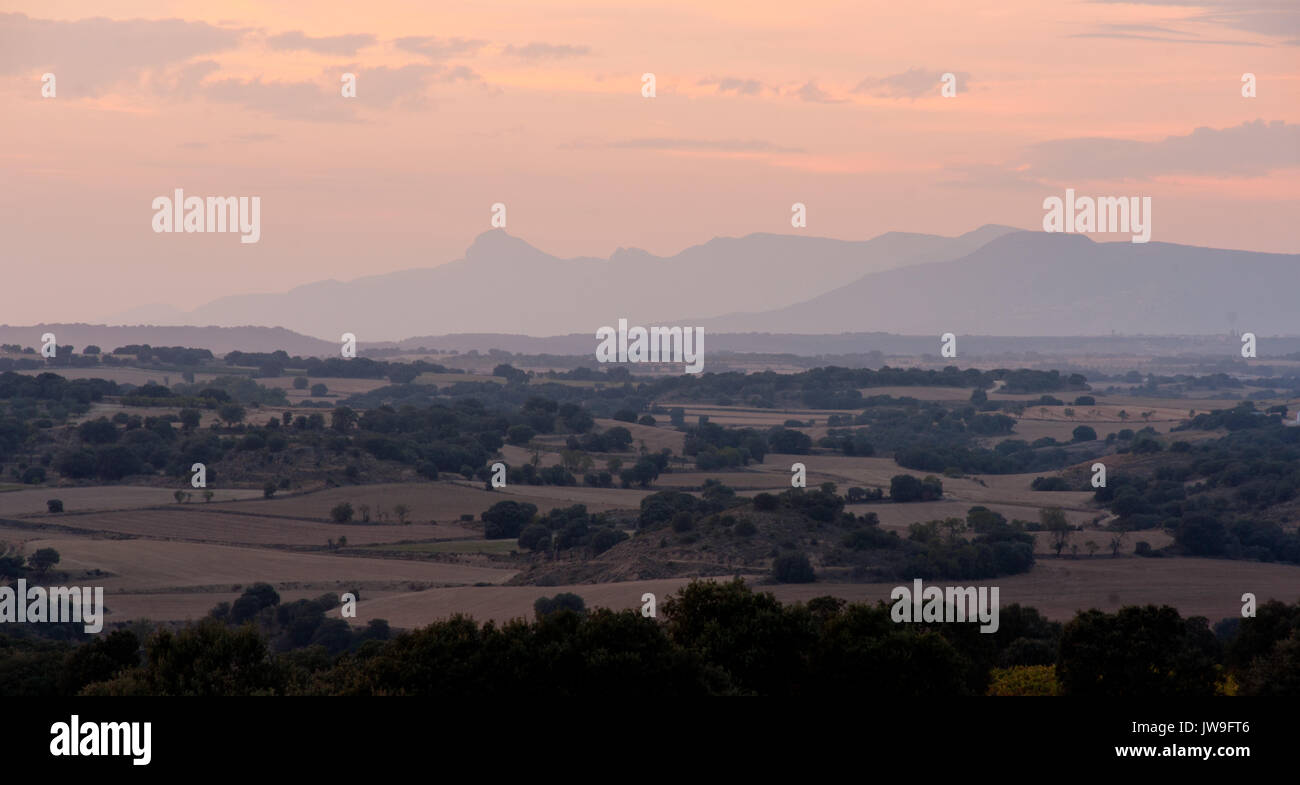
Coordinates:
(994,280)
(504,285)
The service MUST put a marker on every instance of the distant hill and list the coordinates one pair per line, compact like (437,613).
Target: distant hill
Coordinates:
(504,285)
(1035,283)
(218,339)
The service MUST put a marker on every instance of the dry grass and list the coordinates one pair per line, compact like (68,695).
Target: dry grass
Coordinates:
(153,565)
(197,524)
(105,497)
(1056,587)
(443,501)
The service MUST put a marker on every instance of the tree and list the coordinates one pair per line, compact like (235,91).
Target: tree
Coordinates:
(617,439)
(300,382)
(319,390)
(566,601)
(207,495)
(190,418)
(342,512)
(231,413)
(505,520)
(1116,542)
(793,568)
(99,431)
(904,488)
(1055,522)
(1092,548)
(401,511)
(1084,433)
(342,419)
(520,434)
(207,658)
(535,537)
(268,490)
(43,560)
(784,440)
(1123,415)
(179,496)
(1138,651)
(510,373)
(54,505)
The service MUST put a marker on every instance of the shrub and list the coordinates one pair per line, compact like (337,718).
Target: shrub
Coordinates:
(567,601)
(793,568)
(342,512)
(1024,680)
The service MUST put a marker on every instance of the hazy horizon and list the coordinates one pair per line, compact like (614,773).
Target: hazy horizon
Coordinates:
(540,107)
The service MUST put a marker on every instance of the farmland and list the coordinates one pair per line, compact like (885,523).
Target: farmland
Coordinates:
(417,547)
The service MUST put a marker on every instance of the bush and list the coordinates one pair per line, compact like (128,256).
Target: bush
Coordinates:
(793,568)
(505,520)
(567,601)
(54,505)
(520,434)
(906,488)
(342,512)
(535,537)
(1049,484)
(1024,680)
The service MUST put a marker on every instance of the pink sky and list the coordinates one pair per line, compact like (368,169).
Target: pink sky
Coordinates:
(538,105)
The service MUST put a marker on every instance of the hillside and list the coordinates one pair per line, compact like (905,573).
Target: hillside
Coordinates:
(505,285)
(1079,287)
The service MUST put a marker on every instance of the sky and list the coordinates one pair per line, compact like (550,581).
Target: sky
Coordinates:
(539,106)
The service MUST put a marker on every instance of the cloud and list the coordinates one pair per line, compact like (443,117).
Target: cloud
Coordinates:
(296,40)
(1269,17)
(732,84)
(291,100)
(439,48)
(89,56)
(1166,39)
(1251,149)
(813,94)
(542,51)
(716,145)
(405,88)
(912,83)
